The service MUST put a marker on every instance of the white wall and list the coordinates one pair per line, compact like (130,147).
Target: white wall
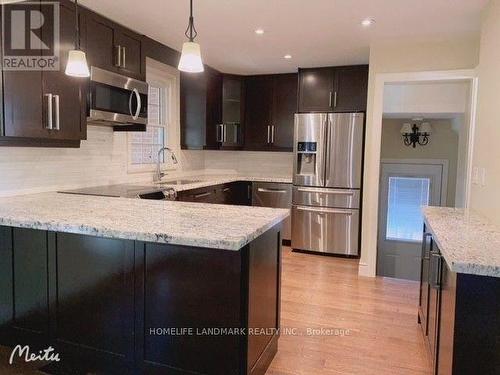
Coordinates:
(428,98)
(400,57)
(485,199)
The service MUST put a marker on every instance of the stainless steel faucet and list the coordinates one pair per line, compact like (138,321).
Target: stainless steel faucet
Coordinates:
(159,174)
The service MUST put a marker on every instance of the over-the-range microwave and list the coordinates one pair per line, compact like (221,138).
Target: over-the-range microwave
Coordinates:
(116,100)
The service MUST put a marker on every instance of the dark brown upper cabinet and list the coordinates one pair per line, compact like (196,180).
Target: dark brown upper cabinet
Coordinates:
(46,107)
(270,106)
(333,89)
(258,111)
(113,47)
(207,121)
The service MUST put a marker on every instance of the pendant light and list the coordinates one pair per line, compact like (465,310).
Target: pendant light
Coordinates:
(77,60)
(190,61)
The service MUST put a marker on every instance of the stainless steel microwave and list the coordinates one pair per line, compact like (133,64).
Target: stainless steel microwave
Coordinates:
(116,100)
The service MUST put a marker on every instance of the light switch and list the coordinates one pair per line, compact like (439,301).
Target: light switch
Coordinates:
(475,175)
(483,176)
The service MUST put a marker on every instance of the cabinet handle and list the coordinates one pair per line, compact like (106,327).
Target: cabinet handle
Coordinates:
(278,191)
(118,60)
(268,134)
(436,270)
(202,195)
(224,133)
(219,133)
(335,99)
(330,100)
(58,114)
(226,190)
(49,111)
(272,134)
(124,57)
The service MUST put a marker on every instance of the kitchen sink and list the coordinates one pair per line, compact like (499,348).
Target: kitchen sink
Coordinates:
(179,182)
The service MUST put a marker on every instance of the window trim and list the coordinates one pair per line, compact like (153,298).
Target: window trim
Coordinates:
(162,75)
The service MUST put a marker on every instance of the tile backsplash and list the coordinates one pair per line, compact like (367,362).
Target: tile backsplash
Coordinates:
(103,159)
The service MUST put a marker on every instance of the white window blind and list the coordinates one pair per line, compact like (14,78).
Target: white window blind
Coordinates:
(145,145)
(406,196)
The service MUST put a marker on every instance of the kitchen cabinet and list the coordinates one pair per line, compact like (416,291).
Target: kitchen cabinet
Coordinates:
(235,193)
(100,303)
(333,89)
(201,195)
(46,107)
(113,47)
(230,134)
(193,108)
(213,109)
(459,316)
(270,106)
(258,112)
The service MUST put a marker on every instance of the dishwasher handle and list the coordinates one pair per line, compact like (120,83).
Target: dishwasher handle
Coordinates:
(322,210)
(267,190)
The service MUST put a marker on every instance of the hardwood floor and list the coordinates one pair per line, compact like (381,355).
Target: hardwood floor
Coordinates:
(379,317)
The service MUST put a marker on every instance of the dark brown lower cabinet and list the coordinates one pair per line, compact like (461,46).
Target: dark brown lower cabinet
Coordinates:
(235,193)
(460,317)
(111,306)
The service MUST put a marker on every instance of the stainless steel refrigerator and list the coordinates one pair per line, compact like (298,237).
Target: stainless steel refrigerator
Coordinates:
(328,155)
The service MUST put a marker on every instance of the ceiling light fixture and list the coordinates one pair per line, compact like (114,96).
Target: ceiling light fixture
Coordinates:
(190,61)
(367,22)
(259,31)
(288,57)
(77,60)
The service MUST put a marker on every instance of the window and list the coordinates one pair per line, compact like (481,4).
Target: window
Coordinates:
(145,145)
(405,197)
(163,121)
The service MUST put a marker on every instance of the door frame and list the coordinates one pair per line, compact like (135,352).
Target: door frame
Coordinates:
(373,137)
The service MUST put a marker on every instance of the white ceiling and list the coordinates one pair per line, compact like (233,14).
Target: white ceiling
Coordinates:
(314,32)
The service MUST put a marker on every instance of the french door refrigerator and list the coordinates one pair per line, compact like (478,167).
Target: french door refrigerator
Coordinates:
(328,158)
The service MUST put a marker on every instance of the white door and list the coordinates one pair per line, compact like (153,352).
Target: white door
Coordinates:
(404,189)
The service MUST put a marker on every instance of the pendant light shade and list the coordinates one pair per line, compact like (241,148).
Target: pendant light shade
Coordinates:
(77,60)
(190,61)
(77,64)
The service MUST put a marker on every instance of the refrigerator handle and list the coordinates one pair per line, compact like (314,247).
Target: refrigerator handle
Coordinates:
(328,123)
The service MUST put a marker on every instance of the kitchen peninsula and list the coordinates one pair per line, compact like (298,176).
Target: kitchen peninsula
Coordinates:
(100,279)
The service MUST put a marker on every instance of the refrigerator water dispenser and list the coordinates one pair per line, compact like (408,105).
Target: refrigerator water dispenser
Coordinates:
(306,158)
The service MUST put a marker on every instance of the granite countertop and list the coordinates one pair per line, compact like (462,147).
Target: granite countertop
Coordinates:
(468,242)
(210,180)
(180,223)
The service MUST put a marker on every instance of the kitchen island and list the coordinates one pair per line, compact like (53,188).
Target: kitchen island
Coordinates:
(121,285)
(460,292)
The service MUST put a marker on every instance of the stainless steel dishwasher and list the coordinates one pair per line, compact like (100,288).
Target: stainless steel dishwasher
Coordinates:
(266,194)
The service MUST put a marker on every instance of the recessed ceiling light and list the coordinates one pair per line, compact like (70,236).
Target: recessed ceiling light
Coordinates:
(288,57)
(259,31)
(367,22)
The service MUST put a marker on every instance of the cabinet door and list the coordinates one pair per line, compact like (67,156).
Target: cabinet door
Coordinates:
(204,195)
(22,95)
(224,194)
(100,42)
(316,90)
(130,44)
(214,109)
(284,109)
(258,108)
(70,113)
(351,88)
(193,107)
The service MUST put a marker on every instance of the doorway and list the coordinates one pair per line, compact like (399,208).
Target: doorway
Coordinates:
(406,186)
